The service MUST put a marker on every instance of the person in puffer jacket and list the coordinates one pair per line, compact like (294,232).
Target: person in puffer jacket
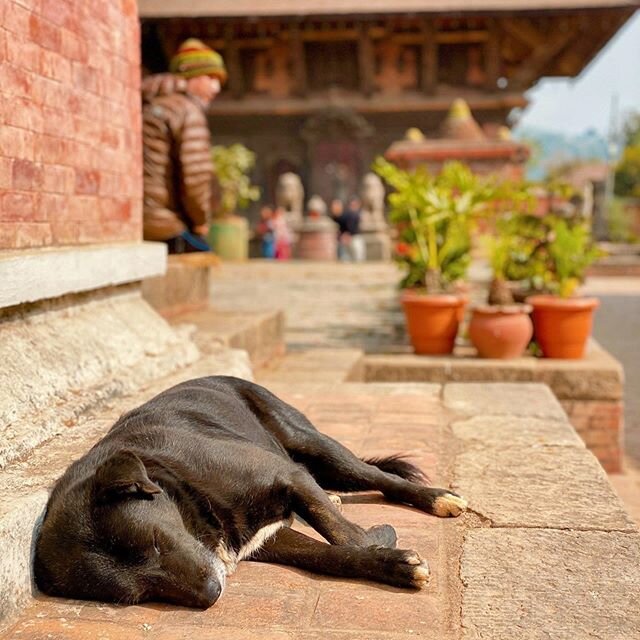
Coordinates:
(177,148)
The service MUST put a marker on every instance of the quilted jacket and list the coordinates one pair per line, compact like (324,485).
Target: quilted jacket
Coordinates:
(177,158)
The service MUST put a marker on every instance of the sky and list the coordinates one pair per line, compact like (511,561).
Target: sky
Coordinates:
(575,105)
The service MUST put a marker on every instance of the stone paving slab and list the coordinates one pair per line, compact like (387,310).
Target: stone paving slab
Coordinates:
(556,487)
(508,431)
(495,399)
(545,584)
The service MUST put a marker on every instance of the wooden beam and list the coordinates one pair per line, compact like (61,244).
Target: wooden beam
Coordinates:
(533,66)
(365,60)
(524,31)
(429,75)
(232,61)
(492,59)
(299,61)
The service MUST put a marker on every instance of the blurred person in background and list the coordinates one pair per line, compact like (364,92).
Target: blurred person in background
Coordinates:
(178,171)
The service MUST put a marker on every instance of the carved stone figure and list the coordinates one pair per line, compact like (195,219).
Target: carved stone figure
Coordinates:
(397,67)
(372,197)
(316,205)
(290,196)
(273,73)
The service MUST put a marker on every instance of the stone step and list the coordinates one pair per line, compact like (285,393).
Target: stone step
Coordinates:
(259,333)
(319,365)
(61,357)
(185,285)
(24,484)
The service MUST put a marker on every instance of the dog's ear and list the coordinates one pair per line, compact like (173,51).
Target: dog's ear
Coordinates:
(123,475)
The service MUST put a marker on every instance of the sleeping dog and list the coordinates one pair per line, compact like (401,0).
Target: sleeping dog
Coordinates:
(205,474)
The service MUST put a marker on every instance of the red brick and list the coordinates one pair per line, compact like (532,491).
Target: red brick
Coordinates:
(72,47)
(18,205)
(87,182)
(55,66)
(53,206)
(16,82)
(84,77)
(58,179)
(26,175)
(22,53)
(44,33)
(22,235)
(16,142)
(57,12)
(6,177)
(24,114)
(16,18)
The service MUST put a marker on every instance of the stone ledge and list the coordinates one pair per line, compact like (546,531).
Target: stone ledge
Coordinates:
(563,585)
(598,376)
(498,399)
(39,274)
(58,361)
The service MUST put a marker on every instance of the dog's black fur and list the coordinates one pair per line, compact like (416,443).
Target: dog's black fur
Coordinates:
(205,474)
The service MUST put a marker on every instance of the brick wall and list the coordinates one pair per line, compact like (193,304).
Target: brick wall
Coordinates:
(70,151)
(600,425)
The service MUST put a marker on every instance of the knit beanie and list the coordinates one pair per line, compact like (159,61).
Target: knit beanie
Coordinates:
(194,58)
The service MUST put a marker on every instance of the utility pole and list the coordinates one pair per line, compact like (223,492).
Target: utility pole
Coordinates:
(613,144)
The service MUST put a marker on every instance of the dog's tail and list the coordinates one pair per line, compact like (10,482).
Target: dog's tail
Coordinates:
(397,465)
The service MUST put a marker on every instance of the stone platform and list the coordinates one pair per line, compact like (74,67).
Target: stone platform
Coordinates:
(546,549)
(590,390)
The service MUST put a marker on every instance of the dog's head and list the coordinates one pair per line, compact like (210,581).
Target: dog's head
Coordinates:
(117,536)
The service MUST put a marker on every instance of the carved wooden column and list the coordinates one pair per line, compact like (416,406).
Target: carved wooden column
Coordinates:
(492,55)
(365,60)
(232,62)
(429,76)
(299,61)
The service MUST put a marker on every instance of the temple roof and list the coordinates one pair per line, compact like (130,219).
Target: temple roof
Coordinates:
(222,8)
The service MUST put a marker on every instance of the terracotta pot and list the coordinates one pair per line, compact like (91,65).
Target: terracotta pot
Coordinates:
(501,331)
(562,326)
(433,320)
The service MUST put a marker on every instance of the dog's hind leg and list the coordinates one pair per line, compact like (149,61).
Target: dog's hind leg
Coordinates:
(335,468)
(310,502)
(397,567)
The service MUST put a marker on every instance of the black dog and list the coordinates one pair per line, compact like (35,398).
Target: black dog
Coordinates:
(204,475)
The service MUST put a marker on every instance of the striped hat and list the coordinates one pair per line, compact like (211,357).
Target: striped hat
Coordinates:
(194,58)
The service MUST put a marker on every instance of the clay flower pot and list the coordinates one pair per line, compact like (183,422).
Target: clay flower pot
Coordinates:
(562,326)
(501,331)
(433,320)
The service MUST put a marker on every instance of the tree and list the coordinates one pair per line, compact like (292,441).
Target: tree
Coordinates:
(627,176)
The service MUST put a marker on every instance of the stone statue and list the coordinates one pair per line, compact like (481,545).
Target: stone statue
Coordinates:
(372,197)
(317,206)
(290,196)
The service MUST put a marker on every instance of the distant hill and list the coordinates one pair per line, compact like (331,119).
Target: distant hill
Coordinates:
(552,148)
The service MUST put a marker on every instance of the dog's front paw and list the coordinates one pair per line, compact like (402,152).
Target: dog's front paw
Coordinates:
(403,568)
(449,505)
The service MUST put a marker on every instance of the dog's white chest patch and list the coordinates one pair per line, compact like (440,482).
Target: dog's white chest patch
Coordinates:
(231,558)
(260,537)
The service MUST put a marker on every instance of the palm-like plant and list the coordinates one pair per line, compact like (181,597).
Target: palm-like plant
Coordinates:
(434,215)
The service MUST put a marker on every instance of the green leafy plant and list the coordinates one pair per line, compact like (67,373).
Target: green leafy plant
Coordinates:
(570,250)
(434,216)
(232,166)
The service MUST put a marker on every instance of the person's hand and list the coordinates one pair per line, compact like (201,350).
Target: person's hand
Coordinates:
(201,230)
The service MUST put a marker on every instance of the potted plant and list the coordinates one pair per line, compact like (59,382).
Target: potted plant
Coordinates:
(229,232)
(562,321)
(501,328)
(433,215)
